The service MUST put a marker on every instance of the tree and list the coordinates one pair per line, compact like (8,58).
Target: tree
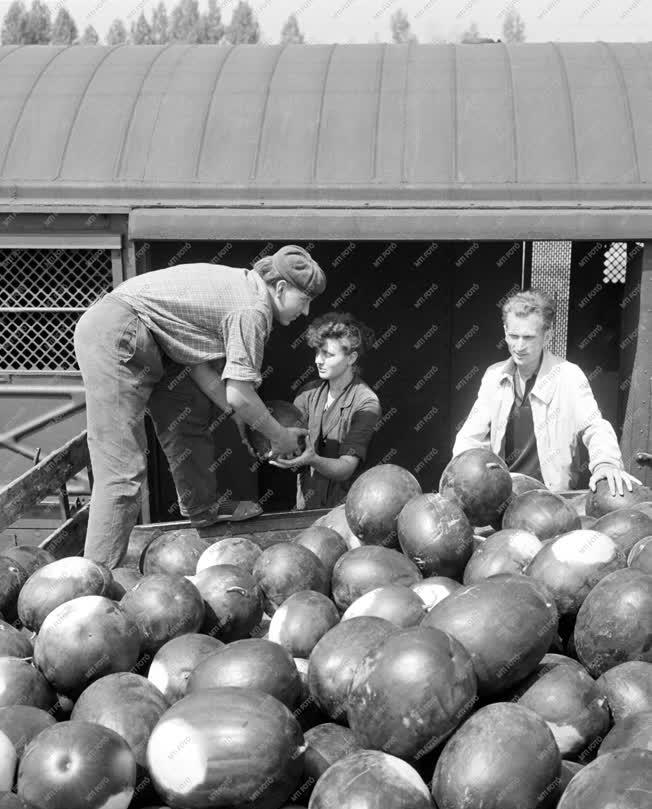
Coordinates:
(39,24)
(472,34)
(14,25)
(141,31)
(186,22)
(291,33)
(401,29)
(160,33)
(212,29)
(513,26)
(117,34)
(244,28)
(90,36)
(64,30)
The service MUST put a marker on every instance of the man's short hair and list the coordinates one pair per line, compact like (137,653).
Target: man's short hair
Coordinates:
(531,302)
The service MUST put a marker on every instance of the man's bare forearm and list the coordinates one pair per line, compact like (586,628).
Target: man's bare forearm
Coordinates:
(242,397)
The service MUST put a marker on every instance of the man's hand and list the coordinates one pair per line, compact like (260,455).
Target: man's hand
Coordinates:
(288,443)
(305,459)
(615,478)
(242,429)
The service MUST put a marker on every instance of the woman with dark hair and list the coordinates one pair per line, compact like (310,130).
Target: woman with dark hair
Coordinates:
(340,409)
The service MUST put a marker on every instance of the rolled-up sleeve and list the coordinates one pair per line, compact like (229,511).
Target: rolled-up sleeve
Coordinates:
(245,333)
(361,429)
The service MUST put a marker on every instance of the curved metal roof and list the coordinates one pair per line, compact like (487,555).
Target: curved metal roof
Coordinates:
(199,124)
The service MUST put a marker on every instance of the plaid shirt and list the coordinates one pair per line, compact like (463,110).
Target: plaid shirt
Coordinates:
(204,312)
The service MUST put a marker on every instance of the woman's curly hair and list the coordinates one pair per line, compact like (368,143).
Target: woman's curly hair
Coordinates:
(342,326)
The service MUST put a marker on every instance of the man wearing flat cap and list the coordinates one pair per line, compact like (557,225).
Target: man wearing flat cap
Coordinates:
(174,343)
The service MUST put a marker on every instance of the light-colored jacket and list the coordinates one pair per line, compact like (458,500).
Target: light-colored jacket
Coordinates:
(563,412)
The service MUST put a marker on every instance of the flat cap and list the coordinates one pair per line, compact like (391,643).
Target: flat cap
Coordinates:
(298,268)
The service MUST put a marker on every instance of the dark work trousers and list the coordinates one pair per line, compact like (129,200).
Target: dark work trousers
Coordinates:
(125,374)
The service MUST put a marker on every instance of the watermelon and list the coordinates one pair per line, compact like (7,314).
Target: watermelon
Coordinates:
(479,482)
(21,723)
(29,557)
(507,551)
(506,623)
(302,619)
(621,779)
(613,624)
(633,731)
(640,556)
(288,568)
(233,602)
(8,762)
(433,589)
(325,543)
(253,663)
(174,552)
(524,483)
(628,688)
(163,606)
(238,551)
(542,513)
(55,583)
(13,642)
(504,757)
(363,569)
(22,684)
(226,747)
(375,500)
(435,534)
(126,703)
(572,564)
(335,658)
(601,501)
(286,414)
(336,520)
(370,779)
(61,768)
(394,602)
(176,660)
(625,526)
(411,692)
(326,744)
(111,643)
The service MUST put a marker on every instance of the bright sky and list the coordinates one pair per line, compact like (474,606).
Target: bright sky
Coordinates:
(363,20)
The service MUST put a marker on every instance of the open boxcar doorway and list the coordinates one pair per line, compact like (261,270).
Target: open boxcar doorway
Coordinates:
(435,311)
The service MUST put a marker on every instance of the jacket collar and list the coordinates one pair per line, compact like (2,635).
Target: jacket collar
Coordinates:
(346,400)
(546,383)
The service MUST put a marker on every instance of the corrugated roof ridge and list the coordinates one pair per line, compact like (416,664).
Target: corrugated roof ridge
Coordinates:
(209,107)
(80,101)
(10,141)
(620,77)
(569,107)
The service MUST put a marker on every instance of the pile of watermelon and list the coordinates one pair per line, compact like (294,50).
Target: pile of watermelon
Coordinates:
(486,646)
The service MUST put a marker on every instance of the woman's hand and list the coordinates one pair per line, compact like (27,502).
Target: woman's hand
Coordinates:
(305,459)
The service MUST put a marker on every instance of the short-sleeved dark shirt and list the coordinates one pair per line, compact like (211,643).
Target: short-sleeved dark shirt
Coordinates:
(205,312)
(346,428)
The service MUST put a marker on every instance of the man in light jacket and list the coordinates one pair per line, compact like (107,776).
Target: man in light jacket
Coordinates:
(534,409)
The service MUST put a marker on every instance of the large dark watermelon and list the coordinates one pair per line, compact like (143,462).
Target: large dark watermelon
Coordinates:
(363,569)
(436,535)
(614,622)
(326,543)
(542,513)
(625,526)
(506,623)
(174,552)
(302,619)
(394,602)
(524,483)
(622,779)
(226,747)
(238,551)
(287,568)
(572,564)
(370,779)
(640,556)
(508,551)
(411,692)
(21,723)
(628,688)
(253,663)
(13,642)
(233,602)
(601,501)
(285,413)
(634,731)
(335,658)
(375,500)
(503,757)
(479,482)
(176,660)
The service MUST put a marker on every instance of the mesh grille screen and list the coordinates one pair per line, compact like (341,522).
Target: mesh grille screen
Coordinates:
(551,272)
(42,295)
(615,264)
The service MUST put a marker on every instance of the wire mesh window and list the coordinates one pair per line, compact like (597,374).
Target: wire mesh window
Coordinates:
(43,293)
(615,264)
(551,272)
